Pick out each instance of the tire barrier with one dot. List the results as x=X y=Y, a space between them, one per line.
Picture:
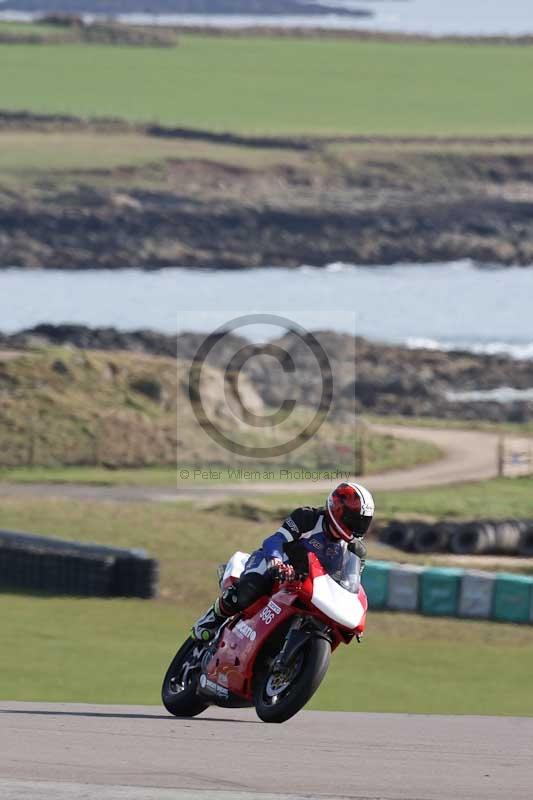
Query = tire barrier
x=434 y=538
x=403 y=535
x=54 y=566
x=474 y=538
x=478 y=537
x=526 y=540
x=449 y=592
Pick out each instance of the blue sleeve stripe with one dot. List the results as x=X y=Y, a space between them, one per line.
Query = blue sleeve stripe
x=273 y=546
x=285 y=533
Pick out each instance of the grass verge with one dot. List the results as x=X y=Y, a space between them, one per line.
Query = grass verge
x=384 y=453
x=518 y=428
x=191 y=542
x=500 y=497
x=116 y=651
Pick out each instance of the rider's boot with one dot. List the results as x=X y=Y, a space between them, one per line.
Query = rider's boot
x=224 y=607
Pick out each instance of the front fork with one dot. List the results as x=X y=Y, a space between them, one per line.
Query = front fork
x=300 y=631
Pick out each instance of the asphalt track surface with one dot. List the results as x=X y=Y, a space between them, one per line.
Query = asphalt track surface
x=468 y=456
x=60 y=751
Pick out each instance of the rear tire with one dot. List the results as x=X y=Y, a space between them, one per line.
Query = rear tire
x=179 y=696
x=311 y=667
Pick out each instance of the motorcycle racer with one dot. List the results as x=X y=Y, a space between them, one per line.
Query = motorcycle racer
x=327 y=531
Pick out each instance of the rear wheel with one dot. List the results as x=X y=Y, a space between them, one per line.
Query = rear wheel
x=279 y=695
x=179 y=685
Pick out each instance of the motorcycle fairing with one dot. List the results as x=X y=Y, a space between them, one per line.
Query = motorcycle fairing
x=228 y=675
x=234 y=568
x=232 y=665
x=336 y=603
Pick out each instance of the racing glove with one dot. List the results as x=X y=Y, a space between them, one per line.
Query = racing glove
x=280 y=571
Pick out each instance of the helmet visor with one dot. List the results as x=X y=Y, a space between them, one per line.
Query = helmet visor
x=357 y=524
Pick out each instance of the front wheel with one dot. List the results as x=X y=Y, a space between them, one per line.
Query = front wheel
x=178 y=692
x=279 y=695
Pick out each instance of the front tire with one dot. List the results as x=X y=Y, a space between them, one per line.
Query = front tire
x=178 y=692
x=296 y=687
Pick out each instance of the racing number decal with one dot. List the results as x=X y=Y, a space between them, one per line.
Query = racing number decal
x=269 y=612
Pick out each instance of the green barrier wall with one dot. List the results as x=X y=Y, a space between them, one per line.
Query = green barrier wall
x=512 y=598
x=439 y=591
x=448 y=592
x=376 y=583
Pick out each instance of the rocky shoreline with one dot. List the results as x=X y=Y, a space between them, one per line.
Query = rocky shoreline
x=94 y=231
x=369 y=377
x=231 y=201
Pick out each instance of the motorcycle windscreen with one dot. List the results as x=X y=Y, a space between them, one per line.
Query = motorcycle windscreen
x=337 y=603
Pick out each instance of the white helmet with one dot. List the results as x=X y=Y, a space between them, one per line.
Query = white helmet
x=349 y=511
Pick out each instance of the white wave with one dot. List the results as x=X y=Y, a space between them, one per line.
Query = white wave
x=338 y=266
x=381 y=269
x=502 y=394
x=519 y=351
x=421 y=343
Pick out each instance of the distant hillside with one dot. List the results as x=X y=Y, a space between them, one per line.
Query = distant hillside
x=247 y=7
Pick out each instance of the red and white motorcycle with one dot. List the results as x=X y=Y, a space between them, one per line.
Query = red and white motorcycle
x=275 y=654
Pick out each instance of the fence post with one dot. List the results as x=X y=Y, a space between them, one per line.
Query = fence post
x=96 y=443
x=32 y=444
x=501 y=456
x=362 y=450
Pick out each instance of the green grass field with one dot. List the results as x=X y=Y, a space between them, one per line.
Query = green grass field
x=32 y=153
x=201 y=539
x=27 y=28
x=501 y=497
x=117 y=650
x=282 y=86
x=512 y=428
x=99 y=156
